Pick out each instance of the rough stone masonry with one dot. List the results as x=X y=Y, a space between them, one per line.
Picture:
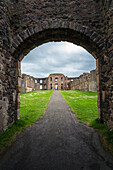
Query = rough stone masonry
x=25 y=24
x=57 y=81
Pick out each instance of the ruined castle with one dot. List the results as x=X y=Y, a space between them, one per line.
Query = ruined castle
x=56 y=81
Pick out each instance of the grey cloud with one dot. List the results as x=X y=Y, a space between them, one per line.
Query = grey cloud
x=63 y=57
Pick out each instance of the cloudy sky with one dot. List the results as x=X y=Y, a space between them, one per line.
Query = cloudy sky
x=58 y=57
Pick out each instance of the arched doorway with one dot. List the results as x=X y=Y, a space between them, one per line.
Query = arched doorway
x=26 y=25
x=35 y=36
x=63 y=34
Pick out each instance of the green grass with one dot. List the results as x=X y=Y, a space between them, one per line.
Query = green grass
x=33 y=106
x=84 y=104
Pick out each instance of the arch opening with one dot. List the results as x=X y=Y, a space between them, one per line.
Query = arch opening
x=57 y=35
x=51 y=55
x=51 y=86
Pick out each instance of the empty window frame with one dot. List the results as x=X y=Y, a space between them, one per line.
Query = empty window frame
x=61 y=78
x=50 y=78
x=35 y=81
x=61 y=86
x=56 y=86
x=51 y=86
x=40 y=81
x=40 y=87
x=56 y=78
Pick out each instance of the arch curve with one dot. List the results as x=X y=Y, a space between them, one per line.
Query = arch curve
x=56 y=31
x=44 y=32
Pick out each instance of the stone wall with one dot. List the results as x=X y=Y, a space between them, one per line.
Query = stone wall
x=30 y=83
x=81 y=83
x=43 y=83
x=8 y=73
x=107 y=65
x=25 y=25
x=27 y=83
x=85 y=82
x=92 y=81
x=56 y=82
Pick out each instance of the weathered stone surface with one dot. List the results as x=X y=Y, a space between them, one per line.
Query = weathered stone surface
x=27 y=24
x=81 y=83
x=85 y=82
x=29 y=83
x=57 y=81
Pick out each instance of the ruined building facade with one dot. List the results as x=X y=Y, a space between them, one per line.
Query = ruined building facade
x=85 y=82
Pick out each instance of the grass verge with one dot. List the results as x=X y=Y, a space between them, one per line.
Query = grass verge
x=33 y=106
x=84 y=104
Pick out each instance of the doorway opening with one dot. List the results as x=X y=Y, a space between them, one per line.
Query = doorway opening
x=56 y=86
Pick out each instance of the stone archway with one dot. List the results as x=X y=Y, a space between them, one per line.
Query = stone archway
x=25 y=25
x=36 y=36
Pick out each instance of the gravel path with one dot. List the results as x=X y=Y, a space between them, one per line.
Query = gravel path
x=57 y=142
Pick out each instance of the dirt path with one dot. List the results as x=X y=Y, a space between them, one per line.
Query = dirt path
x=57 y=142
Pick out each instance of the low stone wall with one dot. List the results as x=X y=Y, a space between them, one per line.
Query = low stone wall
x=85 y=82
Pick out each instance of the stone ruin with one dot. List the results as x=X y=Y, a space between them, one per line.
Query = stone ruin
x=85 y=82
x=26 y=24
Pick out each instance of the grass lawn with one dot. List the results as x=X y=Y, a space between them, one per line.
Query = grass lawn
x=33 y=106
x=84 y=104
